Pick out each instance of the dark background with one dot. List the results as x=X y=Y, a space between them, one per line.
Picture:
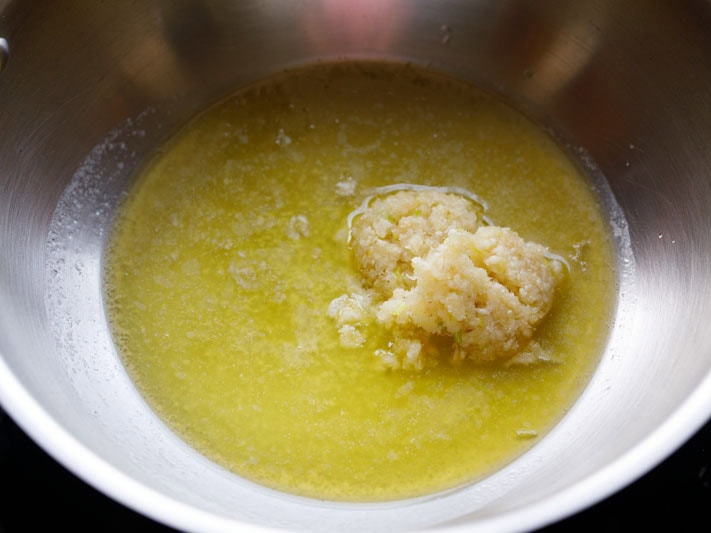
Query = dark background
x=38 y=493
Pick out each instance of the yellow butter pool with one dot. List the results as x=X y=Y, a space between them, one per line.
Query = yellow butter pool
x=227 y=252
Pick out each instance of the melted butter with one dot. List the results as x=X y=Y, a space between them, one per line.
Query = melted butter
x=227 y=253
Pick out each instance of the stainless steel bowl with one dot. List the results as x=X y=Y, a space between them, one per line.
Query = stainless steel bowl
x=89 y=89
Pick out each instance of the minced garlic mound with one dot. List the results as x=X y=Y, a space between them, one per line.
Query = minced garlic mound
x=438 y=279
x=395 y=229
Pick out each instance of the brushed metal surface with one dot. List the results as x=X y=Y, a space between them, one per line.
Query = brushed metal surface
x=90 y=89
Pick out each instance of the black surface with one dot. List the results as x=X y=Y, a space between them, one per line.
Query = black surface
x=37 y=492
